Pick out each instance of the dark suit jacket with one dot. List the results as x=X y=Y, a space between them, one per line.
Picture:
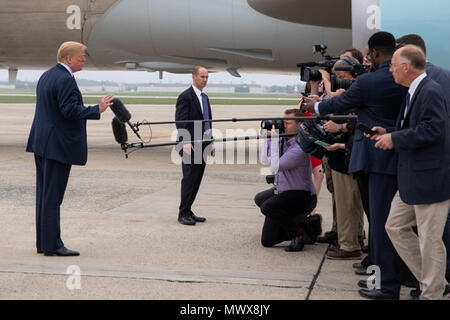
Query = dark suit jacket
x=378 y=100
x=423 y=146
x=188 y=108
x=59 y=126
x=442 y=77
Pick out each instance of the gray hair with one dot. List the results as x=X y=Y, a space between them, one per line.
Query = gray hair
x=343 y=63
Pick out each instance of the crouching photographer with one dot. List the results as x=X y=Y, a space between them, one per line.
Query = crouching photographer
x=287 y=205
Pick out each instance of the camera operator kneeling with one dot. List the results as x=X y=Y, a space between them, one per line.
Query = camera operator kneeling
x=287 y=205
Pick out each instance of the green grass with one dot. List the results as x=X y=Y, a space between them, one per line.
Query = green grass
x=168 y=101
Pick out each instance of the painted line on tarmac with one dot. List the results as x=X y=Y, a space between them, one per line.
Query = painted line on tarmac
x=272 y=279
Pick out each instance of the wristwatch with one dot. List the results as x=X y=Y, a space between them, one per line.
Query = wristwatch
x=340 y=127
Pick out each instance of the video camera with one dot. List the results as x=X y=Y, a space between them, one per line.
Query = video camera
x=306 y=71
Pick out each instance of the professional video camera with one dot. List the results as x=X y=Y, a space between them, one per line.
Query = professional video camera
x=306 y=71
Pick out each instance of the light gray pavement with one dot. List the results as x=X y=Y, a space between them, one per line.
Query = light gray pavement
x=121 y=215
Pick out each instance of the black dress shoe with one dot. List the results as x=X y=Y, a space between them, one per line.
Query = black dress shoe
x=186 y=220
x=376 y=295
x=362 y=272
x=328 y=237
x=363 y=284
x=39 y=251
x=296 y=244
x=63 y=252
x=196 y=218
x=357 y=265
x=415 y=293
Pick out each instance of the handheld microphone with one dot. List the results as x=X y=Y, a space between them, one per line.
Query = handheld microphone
x=123 y=115
x=119 y=131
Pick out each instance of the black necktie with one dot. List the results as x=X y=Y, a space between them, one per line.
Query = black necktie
x=407 y=103
x=408 y=98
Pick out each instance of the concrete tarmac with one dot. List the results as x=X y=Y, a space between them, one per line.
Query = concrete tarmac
x=121 y=214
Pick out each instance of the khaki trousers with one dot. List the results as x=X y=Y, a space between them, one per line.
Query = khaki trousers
x=425 y=254
x=349 y=210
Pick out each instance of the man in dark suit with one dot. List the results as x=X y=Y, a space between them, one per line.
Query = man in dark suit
x=422 y=140
x=193 y=104
x=58 y=141
x=378 y=100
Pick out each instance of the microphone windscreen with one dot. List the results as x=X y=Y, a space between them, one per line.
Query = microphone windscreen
x=120 y=111
x=119 y=130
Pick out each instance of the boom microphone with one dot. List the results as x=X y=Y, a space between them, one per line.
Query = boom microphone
x=123 y=115
x=119 y=131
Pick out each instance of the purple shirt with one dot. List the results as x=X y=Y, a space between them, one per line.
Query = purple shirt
x=294 y=167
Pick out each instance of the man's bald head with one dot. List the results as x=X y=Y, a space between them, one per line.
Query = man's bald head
x=414 y=56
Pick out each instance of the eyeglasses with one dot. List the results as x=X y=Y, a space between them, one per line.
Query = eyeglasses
x=395 y=65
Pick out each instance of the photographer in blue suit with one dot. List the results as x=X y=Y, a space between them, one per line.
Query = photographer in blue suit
x=422 y=140
x=58 y=141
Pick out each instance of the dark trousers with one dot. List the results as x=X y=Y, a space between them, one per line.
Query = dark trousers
x=192 y=178
x=447 y=244
x=51 y=182
x=363 y=185
x=285 y=212
x=382 y=189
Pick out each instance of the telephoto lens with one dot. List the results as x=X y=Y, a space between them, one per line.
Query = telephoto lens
x=267 y=125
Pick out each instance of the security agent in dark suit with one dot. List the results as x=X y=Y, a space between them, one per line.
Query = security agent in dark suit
x=58 y=141
x=378 y=100
x=422 y=140
x=193 y=104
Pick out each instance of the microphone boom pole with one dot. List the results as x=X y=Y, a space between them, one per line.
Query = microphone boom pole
x=327 y=117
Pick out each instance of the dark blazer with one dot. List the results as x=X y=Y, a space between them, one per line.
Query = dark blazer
x=423 y=146
x=378 y=100
x=188 y=108
x=59 y=126
x=442 y=77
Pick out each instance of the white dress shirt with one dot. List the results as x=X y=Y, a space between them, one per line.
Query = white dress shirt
x=199 y=96
x=67 y=67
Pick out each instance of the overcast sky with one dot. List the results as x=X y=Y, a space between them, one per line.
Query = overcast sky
x=145 y=77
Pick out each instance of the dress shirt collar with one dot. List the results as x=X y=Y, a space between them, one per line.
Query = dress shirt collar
x=413 y=87
x=197 y=91
x=67 y=67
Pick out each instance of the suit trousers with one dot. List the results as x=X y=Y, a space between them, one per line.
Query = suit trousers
x=382 y=188
x=349 y=211
x=285 y=213
x=51 y=182
x=330 y=188
x=425 y=253
x=193 y=170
